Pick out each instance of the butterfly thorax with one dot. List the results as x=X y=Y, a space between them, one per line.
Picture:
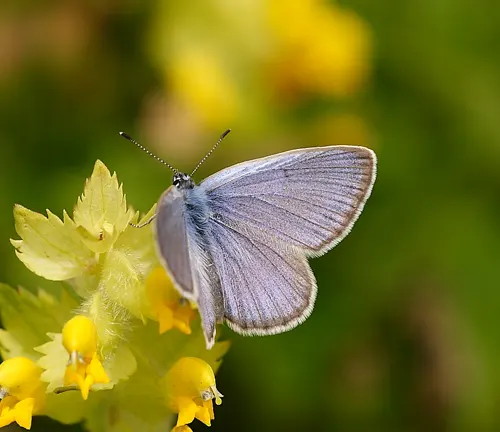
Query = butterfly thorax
x=182 y=181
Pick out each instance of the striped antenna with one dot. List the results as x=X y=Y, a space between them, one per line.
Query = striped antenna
x=211 y=151
x=126 y=136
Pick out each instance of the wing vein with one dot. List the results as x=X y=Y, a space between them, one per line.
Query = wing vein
x=264 y=255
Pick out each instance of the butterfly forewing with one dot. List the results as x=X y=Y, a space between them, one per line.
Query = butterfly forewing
x=172 y=240
x=309 y=198
x=185 y=255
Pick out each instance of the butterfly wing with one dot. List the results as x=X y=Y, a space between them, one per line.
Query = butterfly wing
x=308 y=198
x=172 y=241
x=267 y=287
x=269 y=214
x=185 y=257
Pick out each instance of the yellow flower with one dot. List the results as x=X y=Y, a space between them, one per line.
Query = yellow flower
x=84 y=367
x=183 y=428
x=167 y=306
x=190 y=388
x=200 y=80
x=326 y=51
x=21 y=391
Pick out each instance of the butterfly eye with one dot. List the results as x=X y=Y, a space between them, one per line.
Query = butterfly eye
x=176 y=180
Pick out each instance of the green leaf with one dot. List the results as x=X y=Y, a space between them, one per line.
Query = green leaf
x=49 y=247
x=121 y=365
x=126 y=421
x=101 y=212
x=11 y=347
x=140 y=398
x=162 y=351
x=27 y=318
x=111 y=414
x=54 y=361
x=67 y=407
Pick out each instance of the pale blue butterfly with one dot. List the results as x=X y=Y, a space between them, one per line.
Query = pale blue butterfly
x=237 y=244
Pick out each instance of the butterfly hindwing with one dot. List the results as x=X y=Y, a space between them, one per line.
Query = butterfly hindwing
x=267 y=288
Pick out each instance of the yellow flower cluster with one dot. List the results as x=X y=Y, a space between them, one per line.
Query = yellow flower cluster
x=108 y=349
x=21 y=391
x=321 y=48
x=167 y=306
x=292 y=50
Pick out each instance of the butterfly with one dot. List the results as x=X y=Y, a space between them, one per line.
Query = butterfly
x=238 y=243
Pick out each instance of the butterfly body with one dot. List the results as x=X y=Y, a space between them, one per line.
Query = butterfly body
x=237 y=244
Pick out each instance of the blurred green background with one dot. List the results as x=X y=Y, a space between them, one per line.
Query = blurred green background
x=405 y=332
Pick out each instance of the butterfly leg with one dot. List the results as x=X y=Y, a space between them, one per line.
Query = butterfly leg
x=151 y=219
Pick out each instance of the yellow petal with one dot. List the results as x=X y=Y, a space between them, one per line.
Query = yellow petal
x=189 y=377
x=96 y=370
x=7 y=405
x=183 y=315
x=23 y=412
x=85 y=386
x=80 y=336
x=187 y=410
x=6 y=417
x=74 y=373
x=166 y=304
x=182 y=326
x=20 y=376
x=203 y=415
x=165 y=318
x=183 y=428
x=210 y=407
x=159 y=287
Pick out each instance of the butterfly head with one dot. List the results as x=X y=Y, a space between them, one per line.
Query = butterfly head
x=182 y=181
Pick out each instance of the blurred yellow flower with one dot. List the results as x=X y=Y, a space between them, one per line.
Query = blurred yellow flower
x=84 y=368
x=321 y=48
x=190 y=388
x=199 y=80
x=21 y=391
x=168 y=307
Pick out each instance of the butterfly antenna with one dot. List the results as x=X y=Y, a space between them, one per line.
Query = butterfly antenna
x=211 y=151
x=126 y=136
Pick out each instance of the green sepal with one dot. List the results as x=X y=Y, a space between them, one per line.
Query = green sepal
x=101 y=213
x=27 y=318
x=50 y=247
x=126 y=267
